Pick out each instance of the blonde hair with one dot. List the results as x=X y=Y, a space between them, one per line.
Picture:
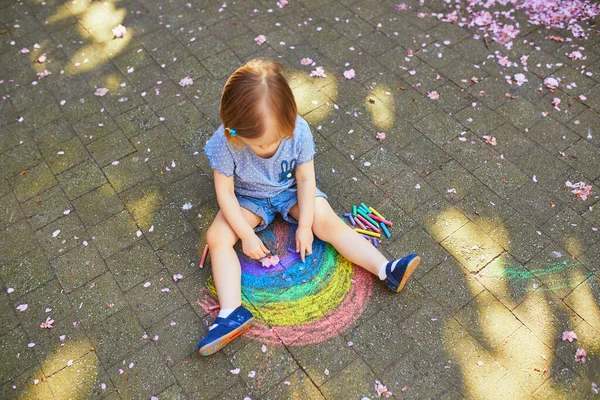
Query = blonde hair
x=254 y=87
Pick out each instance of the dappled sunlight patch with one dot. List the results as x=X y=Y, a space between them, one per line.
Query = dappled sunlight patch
x=383 y=113
x=472 y=247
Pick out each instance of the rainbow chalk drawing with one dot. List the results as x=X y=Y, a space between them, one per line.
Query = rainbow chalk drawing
x=294 y=302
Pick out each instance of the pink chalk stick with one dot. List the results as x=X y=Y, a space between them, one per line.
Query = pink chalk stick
x=204 y=256
x=378 y=219
x=362 y=226
x=370 y=225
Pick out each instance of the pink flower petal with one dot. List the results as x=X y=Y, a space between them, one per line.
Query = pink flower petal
x=349 y=74
x=569 y=335
x=306 y=61
x=119 y=31
x=260 y=39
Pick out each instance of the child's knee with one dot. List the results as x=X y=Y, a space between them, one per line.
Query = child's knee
x=219 y=234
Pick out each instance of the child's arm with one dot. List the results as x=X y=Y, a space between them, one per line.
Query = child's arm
x=252 y=245
x=307 y=191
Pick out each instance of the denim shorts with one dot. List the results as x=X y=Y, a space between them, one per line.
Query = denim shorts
x=267 y=209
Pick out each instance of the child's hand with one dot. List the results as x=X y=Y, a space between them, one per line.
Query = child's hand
x=254 y=248
x=304 y=239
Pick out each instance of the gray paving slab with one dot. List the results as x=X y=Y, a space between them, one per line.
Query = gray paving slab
x=105 y=201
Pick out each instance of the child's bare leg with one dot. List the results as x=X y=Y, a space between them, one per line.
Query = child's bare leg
x=328 y=227
x=226 y=268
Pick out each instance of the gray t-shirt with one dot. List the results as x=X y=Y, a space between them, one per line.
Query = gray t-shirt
x=259 y=177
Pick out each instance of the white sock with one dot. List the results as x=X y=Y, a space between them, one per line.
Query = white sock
x=224 y=313
x=382 y=274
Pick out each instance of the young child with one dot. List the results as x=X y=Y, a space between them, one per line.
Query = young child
x=262 y=160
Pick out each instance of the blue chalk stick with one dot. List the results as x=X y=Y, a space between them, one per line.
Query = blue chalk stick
x=385 y=229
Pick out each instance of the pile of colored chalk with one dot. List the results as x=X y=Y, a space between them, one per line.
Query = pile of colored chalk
x=369 y=223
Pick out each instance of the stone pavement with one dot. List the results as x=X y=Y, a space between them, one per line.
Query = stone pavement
x=105 y=198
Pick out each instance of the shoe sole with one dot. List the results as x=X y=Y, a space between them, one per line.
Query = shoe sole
x=213 y=347
x=410 y=268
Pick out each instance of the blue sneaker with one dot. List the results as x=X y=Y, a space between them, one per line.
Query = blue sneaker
x=227 y=329
x=403 y=269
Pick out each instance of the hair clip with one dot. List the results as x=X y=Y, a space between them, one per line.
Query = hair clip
x=232 y=131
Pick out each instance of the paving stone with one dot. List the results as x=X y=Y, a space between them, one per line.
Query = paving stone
x=97 y=300
x=154 y=142
x=78 y=266
x=323 y=360
x=110 y=148
x=151 y=303
x=94 y=127
x=451 y=285
x=179 y=332
x=32 y=182
x=137 y=121
x=134 y=264
x=114 y=234
x=355 y=381
x=580 y=299
x=413 y=155
x=480 y=120
x=116 y=336
x=484 y=208
x=98 y=205
x=471 y=247
x=501 y=176
x=81 y=179
x=16 y=240
x=520 y=113
x=584 y=157
x=571 y=231
x=523 y=348
x=134 y=382
x=534 y=203
x=408 y=191
x=469 y=150
x=439 y=127
x=297 y=383
x=23 y=385
x=168 y=223
x=48 y=296
x=11 y=212
x=62 y=235
x=172 y=165
x=130 y=170
x=200 y=373
x=85 y=377
x=552 y=135
x=12 y=343
x=405 y=379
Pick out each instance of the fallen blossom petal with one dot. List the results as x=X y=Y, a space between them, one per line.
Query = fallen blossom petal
x=69 y=363
x=22 y=307
x=282 y=3
x=306 y=61
x=186 y=206
x=318 y=72
x=101 y=92
x=269 y=261
x=119 y=31
x=433 y=95
x=520 y=79
x=263 y=348
x=252 y=374
x=580 y=355
x=551 y=83
x=55 y=233
x=187 y=81
x=260 y=39
x=235 y=371
x=349 y=74
x=490 y=140
x=147 y=284
x=556 y=103
x=24 y=50
x=177 y=277
x=380 y=136
x=47 y=324
x=165 y=290
x=568 y=335
x=382 y=390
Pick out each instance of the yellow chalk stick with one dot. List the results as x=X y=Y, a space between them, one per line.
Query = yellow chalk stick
x=364 y=232
x=374 y=211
